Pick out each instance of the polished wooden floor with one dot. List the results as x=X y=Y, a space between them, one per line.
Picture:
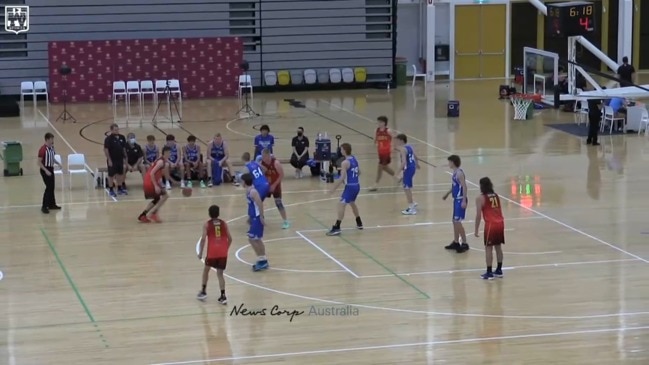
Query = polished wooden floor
x=89 y=285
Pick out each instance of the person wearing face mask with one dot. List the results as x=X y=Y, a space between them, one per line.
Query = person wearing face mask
x=134 y=156
x=300 y=154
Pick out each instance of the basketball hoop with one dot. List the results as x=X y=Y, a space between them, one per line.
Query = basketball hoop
x=522 y=104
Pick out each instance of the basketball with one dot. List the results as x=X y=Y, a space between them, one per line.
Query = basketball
x=187 y=192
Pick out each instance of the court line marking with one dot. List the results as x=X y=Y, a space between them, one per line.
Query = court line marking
x=411 y=225
x=327 y=254
x=237 y=254
x=241 y=192
x=409 y=311
x=412 y=344
x=566 y=225
x=1 y=275
x=504 y=268
x=90 y=170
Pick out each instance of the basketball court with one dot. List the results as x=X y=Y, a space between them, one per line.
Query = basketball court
x=89 y=284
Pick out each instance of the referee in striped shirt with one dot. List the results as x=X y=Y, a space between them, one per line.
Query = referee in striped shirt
x=46 y=167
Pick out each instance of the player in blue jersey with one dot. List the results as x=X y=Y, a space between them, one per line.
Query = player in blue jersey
x=256 y=218
x=264 y=140
x=460 y=199
x=175 y=162
x=218 y=153
x=409 y=165
x=192 y=162
x=259 y=178
x=151 y=152
x=349 y=173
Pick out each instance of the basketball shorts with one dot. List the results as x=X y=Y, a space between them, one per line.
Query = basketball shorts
x=458 y=212
x=149 y=193
x=350 y=193
x=256 y=231
x=263 y=190
x=384 y=158
x=218 y=263
x=192 y=164
x=494 y=234
x=277 y=193
x=117 y=168
x=408 y=178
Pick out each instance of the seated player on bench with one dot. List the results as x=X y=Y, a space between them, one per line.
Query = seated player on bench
x=192 y=161
x=134 y=157
x=151 y=152
x=176 y=168
x=218 y=156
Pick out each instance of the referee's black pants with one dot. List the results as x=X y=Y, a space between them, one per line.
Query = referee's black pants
x=593 y=128
x=49 y=200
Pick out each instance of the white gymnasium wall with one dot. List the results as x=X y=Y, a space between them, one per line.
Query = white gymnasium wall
x=443 y=33
x=410 y=38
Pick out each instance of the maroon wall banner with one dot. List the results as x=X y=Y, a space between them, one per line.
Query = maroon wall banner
x=206 y=67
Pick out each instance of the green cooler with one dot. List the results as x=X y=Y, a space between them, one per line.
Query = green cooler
x=402 y=70
x=12 y=156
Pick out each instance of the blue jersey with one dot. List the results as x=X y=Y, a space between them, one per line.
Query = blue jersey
x=259 y=180
x=217 y=152
x=410 y=163
x=352 y=172
x=151 y=153
x=262 y=142
x=456 y=187
x=253 y=209
x=192 y=154
x=173 y=157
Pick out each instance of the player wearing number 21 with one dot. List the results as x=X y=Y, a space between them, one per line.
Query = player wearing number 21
x=349 y=173
x=488 y=208
x=409 y=165
x=217 y=236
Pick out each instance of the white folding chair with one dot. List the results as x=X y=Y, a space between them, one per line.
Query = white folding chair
x=415 y=75
x=582 y=111
x=644 y=123
x=26 y=88
x=270 y=78
x=77 y=166
x=348 y=75
x=245 y=85
x=119 y=89
x=335 y=76
x=174 y=88
x=609 y=116
x=40 y=88
x=160 y=87
x=133 y=89
x=310 y=77
x=58 y=170
x=146 y=88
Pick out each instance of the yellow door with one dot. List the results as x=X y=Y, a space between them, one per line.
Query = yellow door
x=467 y=41
x=492 y=42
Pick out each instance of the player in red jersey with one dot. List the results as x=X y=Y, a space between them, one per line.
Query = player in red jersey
x=488 y=207
x=217 y=236
x=383 y=141
x=275 y=174
x=154 y=188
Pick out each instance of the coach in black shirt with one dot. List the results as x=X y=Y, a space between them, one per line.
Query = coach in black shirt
x=626 y=72
x=115 y=151
x=300 y=156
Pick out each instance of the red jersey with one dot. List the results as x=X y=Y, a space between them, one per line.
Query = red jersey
x=491 y=211
x=148 y=182
x=217 y=239
x=271 y=171
x=383 y=140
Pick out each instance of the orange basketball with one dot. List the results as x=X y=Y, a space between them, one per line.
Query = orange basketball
x=187 y=192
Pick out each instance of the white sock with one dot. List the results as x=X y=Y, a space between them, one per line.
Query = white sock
x=261 y=258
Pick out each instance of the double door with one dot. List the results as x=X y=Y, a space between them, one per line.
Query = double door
x=480 y=40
